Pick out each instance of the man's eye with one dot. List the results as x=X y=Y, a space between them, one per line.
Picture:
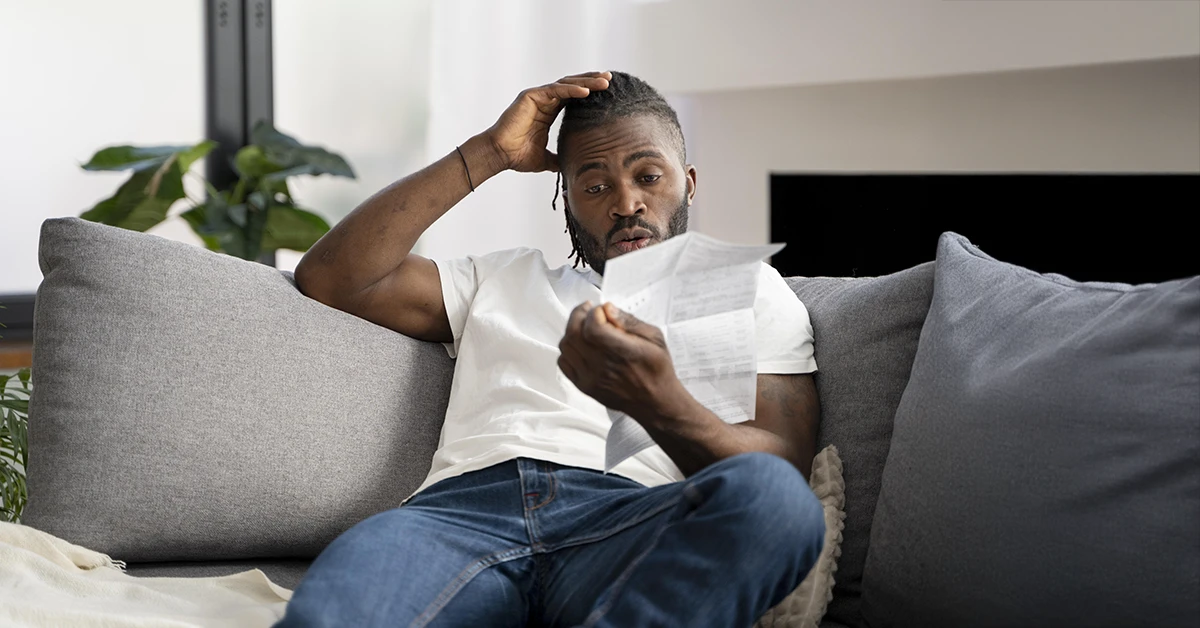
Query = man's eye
x=595 y=189
x=651 y=178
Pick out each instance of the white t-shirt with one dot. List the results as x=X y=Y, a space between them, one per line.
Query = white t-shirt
x=508 y=311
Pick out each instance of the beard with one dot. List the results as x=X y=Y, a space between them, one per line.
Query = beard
x=594 y=249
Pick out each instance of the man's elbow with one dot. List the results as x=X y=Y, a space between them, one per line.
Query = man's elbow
x=312 y=279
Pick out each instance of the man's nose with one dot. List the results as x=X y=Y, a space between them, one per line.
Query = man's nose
x=627 y=202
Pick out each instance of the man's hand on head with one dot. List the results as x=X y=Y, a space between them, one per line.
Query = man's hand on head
x=620 y=361
x=521 y=135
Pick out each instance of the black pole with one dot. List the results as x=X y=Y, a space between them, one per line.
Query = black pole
x=239 y=82
x=224 y=88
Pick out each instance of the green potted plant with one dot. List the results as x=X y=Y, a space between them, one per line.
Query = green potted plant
x=257 y=215
x=14 y=444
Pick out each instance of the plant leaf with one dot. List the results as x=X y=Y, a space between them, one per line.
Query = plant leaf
x=256 y=222
x=136 y=158
x=290 y=227
x=143 y=200
x=23 y=375
x=197 y=219
x=257 y=200
x=20 y=405
x=195 y=153
x=252 y=162
x=236 y=214
x=297 y=158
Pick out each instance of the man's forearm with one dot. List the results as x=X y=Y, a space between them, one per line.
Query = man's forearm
x=377 y=236
x=693 y=437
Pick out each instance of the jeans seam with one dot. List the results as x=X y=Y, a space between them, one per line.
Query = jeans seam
x=600 y=536
x=462 y=579
x=550 y=495
x=618 y=586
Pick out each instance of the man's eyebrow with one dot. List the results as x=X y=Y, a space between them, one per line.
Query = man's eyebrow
x=591 y=165
x=642 y=154
x=648 y=153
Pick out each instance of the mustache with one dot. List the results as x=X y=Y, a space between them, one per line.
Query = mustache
x=629 y=222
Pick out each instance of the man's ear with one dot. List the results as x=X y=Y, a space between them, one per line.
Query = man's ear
x=691 y=183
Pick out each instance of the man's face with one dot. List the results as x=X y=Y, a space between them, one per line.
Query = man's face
x=625 y=187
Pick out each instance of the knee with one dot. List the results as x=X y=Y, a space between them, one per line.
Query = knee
x=775 y=499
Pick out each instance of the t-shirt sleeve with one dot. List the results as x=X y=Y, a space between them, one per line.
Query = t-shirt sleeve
x=460 y=279
x=783 y=331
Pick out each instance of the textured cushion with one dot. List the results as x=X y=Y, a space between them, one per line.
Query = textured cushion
x=190 y=405
x=804 y=607
x=866 y=333
x=1045 y=463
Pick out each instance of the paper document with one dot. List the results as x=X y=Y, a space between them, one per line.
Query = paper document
x=700 y=292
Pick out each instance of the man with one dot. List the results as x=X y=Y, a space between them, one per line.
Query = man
x=516 y=524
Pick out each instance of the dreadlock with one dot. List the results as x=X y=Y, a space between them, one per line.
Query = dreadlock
x=626 y=96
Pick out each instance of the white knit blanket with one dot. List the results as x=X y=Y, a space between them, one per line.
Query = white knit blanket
x=46 y=581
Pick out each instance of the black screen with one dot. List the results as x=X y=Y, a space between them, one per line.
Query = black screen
x=1109 y=227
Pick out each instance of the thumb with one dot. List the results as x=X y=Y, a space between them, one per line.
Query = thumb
x=623 y=320
x=551 y=161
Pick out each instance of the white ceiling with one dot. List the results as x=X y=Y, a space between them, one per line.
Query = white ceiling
x=703 y=45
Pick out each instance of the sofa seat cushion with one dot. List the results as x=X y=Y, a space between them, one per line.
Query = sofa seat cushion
x=283 y=572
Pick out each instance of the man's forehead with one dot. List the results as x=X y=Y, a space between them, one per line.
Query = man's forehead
x=619 y=140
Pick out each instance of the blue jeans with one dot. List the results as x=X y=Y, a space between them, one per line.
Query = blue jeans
x=528 y=542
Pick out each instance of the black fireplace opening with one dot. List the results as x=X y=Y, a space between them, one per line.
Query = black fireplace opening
x=1130 y=228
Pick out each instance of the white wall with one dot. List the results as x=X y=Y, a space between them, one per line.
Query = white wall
x=702 y=45
x=484 y=53
x=1137 y=117
x=356 y=81
x=75 y=76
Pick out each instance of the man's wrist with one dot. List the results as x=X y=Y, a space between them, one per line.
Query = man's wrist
x=482 y=159
x=671 y=407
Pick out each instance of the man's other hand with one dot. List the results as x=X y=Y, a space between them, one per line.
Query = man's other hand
x=620 y=361
x=522 y=133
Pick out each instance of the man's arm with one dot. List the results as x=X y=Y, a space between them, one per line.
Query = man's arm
x=364 y=265
x=786 y=417
x=624 y=364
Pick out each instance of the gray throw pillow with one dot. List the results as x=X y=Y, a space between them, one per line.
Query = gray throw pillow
x=1045 y=463
x=866 y=332
x=189 y=405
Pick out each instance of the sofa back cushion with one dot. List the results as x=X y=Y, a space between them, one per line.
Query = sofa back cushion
x=1045 y=462
x=866 y=333
x=189 y=405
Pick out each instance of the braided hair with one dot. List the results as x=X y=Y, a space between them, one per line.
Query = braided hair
x=626 y=96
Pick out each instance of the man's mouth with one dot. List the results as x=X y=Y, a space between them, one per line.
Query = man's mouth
x=627 y=240
x=631 y=244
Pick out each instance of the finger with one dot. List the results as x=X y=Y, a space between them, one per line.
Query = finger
x=559 y=91
x=575 y=319
x=567 y=368
x=551 y=161
x=596 y=328
x=574 y=358
x=573 y=364
x=605 y=74
x=590 y=82
x=631 y=324
x=615 y=315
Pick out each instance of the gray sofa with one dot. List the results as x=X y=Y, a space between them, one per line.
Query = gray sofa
x=1018 y=449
